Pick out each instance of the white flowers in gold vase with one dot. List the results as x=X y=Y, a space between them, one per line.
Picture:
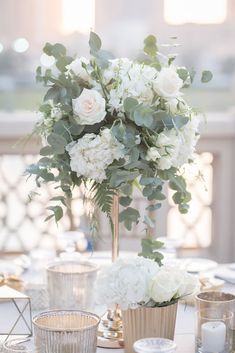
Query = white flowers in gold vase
x=137 y=282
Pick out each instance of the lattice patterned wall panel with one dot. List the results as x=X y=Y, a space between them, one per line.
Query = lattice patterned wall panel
x=195 y=228
x=22 y=225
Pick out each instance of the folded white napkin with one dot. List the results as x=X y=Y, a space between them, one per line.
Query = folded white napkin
x=226 y=274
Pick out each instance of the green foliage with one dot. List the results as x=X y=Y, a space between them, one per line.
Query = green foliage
x=150 y=249
x=57 y=213
x=94 y=42
x=57 y=142
x=206 y=76
x=103 y=197
x=150 y=45
x=129 y=216
x=165 y=120
x=183 y=73
x=136 y=126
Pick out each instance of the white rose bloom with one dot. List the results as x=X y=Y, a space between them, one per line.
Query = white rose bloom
x=188 y=284
x=92 y=154
x=171 y=283
x=78 y=69
x=152 y=154
x=164 y=286
x=168 y=83
x=125 y=282
x=89 y=107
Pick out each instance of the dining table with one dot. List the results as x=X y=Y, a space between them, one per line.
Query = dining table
x=186 y=313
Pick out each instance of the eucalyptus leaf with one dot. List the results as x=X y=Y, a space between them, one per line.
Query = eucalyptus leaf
x=206 y=76
x=183 y=73
x=130 y=104
x=57 y=142
x=122 y=176
x=94 y=42
x=149 y=222
x=150 y=45
x=125 y=201
x=46 y=151
x=154 y=207
x=128 y=216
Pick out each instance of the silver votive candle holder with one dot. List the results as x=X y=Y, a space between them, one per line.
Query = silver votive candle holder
x=219 y=302
x=71 y=284
x=66 y=331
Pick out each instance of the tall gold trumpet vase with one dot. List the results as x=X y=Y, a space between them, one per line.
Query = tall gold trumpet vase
x=148 y=322
x=110 y=333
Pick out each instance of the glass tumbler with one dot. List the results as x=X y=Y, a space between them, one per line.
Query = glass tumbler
x=213 y=331
x=71 y=284
x=67 y=331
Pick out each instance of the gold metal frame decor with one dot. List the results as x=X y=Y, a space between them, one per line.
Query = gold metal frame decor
x=110 y=332
x=18 y=318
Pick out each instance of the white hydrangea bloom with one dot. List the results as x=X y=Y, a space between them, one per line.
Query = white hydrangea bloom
x=131 y=80
x=92 y=154
x=175 y=147
x=126 y=282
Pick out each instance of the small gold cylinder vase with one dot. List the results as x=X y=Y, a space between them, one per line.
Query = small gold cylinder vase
x=148 y=322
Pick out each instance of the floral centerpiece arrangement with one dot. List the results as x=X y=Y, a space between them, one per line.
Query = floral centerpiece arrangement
x=138 y=282
x=115 y=124
x=147 y=294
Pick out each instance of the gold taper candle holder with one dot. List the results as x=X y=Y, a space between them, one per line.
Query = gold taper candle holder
x=110 y=332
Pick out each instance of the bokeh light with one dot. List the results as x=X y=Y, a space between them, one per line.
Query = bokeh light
x=20 y=45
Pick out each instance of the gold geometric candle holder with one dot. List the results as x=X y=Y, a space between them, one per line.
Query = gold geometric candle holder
x=15 y=308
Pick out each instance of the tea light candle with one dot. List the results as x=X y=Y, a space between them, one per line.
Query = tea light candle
x=213 y=336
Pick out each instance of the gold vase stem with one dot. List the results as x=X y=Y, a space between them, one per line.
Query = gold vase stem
x=115 y=219
x=110 y=333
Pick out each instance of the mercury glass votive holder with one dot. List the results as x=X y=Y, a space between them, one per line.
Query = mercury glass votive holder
x=71 y=284
x=154 y=345
x=218 y=301
x=66 y=331
x=213 y=331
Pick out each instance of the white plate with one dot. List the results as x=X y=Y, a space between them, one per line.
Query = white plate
x=9 y=268
x=195 y=265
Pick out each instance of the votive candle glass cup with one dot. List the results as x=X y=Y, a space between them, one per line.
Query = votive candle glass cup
x=71 y=284
x=218 y=301
x=213 y=331
x=66 y=331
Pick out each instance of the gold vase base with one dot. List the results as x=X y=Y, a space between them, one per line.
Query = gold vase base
x=110 y=333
